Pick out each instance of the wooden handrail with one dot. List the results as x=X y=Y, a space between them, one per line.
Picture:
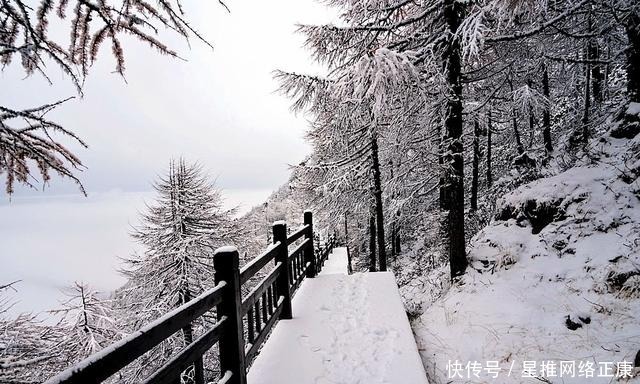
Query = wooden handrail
x=266 y=303
x=101 y=365
x=297 y=234
x=255 y=347
x=258 y=290
x=178 y=363
x=300 y=248
x=255 y=265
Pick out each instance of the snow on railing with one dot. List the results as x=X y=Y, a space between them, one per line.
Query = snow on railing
x=243 y=324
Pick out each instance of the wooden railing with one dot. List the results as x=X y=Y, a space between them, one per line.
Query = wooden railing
x=268 y=301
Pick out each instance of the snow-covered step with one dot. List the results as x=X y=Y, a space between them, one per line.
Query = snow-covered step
x=345 y=329
x=336 y=263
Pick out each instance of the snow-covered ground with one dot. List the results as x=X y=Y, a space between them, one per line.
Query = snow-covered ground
x=345 y=330
x=554 y=278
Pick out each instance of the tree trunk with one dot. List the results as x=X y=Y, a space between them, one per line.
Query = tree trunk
x=372 y=241
x=394 y=253
x=441 y=181
x=489 y=133
x=593 y=54
x=476 y=162
x=597 y=75
x=587 y=87
x=346 y=244
x=607 y=73
x=546 y=112
x=377 y=192
x=393 y=241
x=532 y=118
x=454 y=161
x=514 y=121
x=187 y=333
x=587 y=103
x=633 y=57
x=396 y=236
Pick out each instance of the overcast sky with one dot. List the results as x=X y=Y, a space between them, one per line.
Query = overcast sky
x=219 y=107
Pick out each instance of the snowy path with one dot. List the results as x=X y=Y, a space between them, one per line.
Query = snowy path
x=346 y=330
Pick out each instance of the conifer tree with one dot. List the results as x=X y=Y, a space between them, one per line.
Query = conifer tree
x=87 y=324
x=30 y=349
x=178 y=233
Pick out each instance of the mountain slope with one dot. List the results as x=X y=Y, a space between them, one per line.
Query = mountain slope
x=555 y=276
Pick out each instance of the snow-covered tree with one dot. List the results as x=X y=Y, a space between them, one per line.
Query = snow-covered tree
x=33 y=350
x=87 y=324
x=28 y=346
x=492 y=67
x=27 y=137
x=178 y=233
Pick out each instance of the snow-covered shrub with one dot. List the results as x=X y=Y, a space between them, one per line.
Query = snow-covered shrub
x=631 y=288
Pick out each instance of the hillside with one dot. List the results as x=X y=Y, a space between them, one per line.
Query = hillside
x=554 y=277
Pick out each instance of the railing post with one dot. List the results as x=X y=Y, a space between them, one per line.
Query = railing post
x=282 y=256
x=316 y=252
x=308 y=252
x=226 y=262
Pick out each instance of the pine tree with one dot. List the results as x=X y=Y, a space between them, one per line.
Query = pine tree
x=87 y=324
x=30 y=349
x=179 y=233
x=459 y=60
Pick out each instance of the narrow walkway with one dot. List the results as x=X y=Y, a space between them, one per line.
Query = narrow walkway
x=345 y=330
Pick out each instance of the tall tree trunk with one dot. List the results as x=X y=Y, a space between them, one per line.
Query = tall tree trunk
x=587 y=87
x=593 y=55
x=476 y=162
x=394 y=253
x=372 y=241
x=514 y=121
x=396 y=236
x=587 y=103
x=597 y=75
x=392 y=240
x=454 y=161
x=607 y=73
x=489 y=133
x=187 y=333
x=633 y=57
x=346 y=244
x=441 y=181
x=532 y=118
x=546 y=112
x=377 y=192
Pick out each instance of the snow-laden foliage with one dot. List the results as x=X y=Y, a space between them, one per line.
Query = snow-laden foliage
x=32 y=350
x=377 y=77
x=88 y=323
x=27 y=138
x=178 y=232
x=26 y=345
x=554 y=277
x=464 y=101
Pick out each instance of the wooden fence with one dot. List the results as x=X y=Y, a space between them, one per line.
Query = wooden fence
x=268 y=301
